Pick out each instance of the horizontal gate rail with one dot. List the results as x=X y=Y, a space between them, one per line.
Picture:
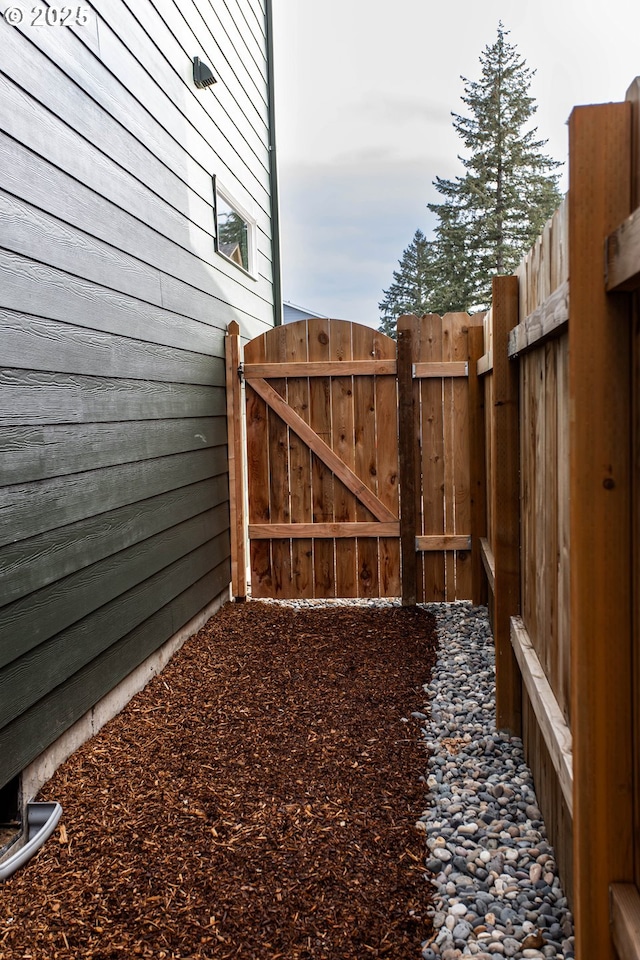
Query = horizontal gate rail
x=322 y=531
x=319 y=368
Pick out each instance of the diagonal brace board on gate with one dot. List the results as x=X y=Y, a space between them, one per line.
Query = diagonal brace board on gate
x=323 y=451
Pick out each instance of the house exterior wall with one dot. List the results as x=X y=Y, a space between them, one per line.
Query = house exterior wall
x=114 y=528
x=291 y=313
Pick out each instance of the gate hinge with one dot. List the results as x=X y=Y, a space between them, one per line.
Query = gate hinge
x=241 y=372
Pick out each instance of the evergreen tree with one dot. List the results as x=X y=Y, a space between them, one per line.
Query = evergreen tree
x=412 y=284
x=490 y=216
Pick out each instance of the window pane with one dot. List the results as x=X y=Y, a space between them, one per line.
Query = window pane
x=233 y=233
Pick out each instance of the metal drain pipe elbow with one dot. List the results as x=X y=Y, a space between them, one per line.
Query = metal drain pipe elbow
x=42 y=819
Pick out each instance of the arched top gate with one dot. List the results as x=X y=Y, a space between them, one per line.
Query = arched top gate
x=323 y=442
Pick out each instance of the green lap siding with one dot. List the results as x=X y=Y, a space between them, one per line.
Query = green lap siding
x=114 y=494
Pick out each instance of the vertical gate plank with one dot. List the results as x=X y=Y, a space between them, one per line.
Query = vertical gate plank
x=432 y=458
x=300 y=466
x=366 y=466
x=258 y=477
x=387 y=467
x=279 y=509
x=321 y=478
x=342 y=430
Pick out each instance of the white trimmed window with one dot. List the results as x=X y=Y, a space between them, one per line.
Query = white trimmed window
x=235 y=230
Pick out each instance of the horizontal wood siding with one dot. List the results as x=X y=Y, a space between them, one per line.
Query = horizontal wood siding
x=113 y=309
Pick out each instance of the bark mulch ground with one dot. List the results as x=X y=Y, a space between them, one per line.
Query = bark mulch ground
x=257 y=800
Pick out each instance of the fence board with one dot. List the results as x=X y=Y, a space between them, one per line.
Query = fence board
x=487 y=382
x=365 y=465
x=505 y=504
x=449 y=335
x=461 y=498
x=258 y=478
x=321 y=477
x=387 y=468
x=279 y=487
x=430 y=437
x=342 y=428
x=299 y=464
x=477 y=466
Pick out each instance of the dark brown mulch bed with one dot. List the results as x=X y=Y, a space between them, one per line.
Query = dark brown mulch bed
x=257 y=800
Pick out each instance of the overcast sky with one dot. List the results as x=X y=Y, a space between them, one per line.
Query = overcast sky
x=364 y=94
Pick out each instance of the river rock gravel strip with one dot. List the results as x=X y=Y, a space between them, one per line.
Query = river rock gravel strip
x=497 y=888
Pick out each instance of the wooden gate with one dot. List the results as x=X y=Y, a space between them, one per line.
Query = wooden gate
x=324 y=450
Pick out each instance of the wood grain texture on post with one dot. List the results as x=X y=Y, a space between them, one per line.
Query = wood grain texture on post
x=407 y=462
x=236 y=463
x=600 y=523
x=505 y=506
x=478 y=469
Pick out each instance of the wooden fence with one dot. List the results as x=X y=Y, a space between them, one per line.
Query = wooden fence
x=559 y=532
x=344 y=426
x=535 y=452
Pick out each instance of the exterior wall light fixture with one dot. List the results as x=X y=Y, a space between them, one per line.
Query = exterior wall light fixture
x=202 y=74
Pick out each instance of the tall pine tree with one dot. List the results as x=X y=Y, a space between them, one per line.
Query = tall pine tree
x=412 y=285
x=490 y=216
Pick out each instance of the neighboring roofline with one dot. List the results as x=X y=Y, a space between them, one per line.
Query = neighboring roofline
x=273 y=175
x=297 y=306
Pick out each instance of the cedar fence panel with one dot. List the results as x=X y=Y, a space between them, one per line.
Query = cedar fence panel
x=574 y=619
x=441 y=450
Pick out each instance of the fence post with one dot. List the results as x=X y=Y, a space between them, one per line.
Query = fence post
x=478 y=466
x=407 y=462
x=505 y=504
x=235 y=454
x=600 y=524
